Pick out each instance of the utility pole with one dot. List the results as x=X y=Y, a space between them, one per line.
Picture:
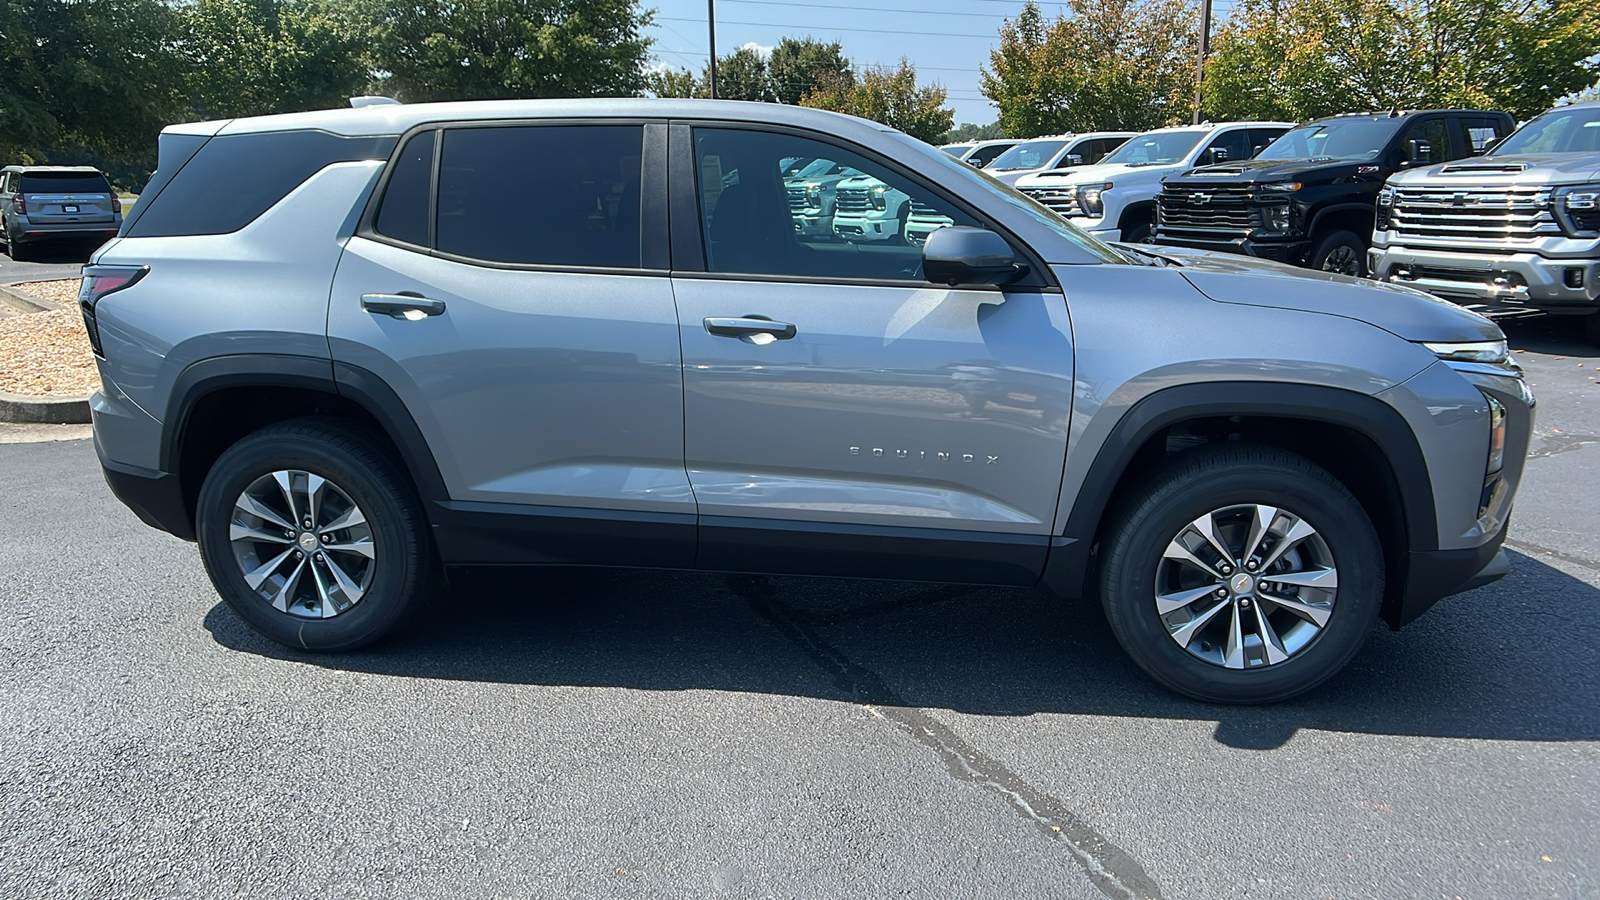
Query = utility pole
x=1205 y=50
x=711 y=23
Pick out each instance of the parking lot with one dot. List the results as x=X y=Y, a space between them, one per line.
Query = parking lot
x=611 y=733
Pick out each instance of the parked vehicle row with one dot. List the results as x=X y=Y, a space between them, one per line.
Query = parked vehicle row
x=981 y=153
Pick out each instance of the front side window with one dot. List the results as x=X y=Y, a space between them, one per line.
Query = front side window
x=1236 y=144
x=1435 y=133
x=1481 y=132
x=1356 y=137
x=1558 y=131
x=566 y=195
x=1027 y=155
x=1156 y=148
x=839 y=216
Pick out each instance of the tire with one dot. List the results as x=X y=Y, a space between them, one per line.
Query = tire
x=1343 y=252
x=1591 y=327
x=1229 y=483
x=372 y=574
x=1138 y=233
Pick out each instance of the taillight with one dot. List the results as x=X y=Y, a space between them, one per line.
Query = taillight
x=22 y=205
x=116 y=204
x=98 y=281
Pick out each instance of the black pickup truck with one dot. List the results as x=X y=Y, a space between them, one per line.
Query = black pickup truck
x=1310 y=197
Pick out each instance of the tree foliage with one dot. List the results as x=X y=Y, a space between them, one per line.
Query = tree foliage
x=1110 y=65
x=967 y=133
x=890 y=96
x=1298 y=59
x=249 y=57
x=800 y=66
x=503 y=49
x=796 y=67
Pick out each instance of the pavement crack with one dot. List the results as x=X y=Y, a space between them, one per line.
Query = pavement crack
x=1554 y=554
x=1108 y=867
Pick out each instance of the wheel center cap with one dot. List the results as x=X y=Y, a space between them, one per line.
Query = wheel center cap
x=1242 y=583
x=307 y=541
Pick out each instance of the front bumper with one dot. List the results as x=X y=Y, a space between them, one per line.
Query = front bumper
x=862 y=228
x=1522 y=279
x=813 y=226
x=1292 y=251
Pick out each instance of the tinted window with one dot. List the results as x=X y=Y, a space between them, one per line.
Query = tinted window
x=1481 y=131
x=552 y=195
x=859 y=220
x=65 y=183
x=1356 y=137
x=986 y=155
x=1433 y=132
x=1261 y=138
x=1235 y=143
x=403 y=214
x=235 y=178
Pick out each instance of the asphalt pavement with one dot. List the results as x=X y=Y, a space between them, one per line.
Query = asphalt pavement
x=602 y=733
x=63 y=260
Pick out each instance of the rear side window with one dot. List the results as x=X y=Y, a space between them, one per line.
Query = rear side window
x=235 y=178
x=542 y=194
x=65 y=183
x=403 y=214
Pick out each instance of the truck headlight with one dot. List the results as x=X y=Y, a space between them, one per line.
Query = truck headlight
x=878 y=199
x=1276 y=217
x=1385 y=205
x=1089 y=199
x=1287 y=187
x=1386 y=196
x=1577 y=208
x=814 y=196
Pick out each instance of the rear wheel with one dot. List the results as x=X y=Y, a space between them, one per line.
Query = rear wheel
x=1137 y=232
x=313 y=535
x=1343 y=252
x=1242 y=574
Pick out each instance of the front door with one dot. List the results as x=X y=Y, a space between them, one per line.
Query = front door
x=842 y=415
x=525 y=319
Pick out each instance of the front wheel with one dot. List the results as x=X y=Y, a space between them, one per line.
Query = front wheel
x=1241 y=574
x=313 y=535
x=1343 y=252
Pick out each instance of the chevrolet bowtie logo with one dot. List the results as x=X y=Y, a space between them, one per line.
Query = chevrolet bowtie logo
x=1200 y=198
x=1462 y=198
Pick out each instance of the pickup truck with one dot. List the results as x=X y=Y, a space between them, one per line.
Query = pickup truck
x=1516 y=229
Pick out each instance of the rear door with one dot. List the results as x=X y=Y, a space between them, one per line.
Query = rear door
x=59 y=198
x=510 y=285
x=843 y=415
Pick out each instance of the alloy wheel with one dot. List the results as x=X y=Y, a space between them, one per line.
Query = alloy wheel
x=302 y=544
x=1246 y=586
x=1344 y=260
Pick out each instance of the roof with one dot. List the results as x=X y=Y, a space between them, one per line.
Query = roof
x=400 y=117
x=1407 y=113
x=43 y=169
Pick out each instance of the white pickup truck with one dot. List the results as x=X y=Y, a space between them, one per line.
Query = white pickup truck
x=1515 y=229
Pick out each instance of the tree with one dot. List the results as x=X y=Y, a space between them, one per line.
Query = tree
x=1300 y=59
x=501 y=49
x=89 y=77
x=742 y=75
x=800 y=66
x=254 y=57
x=967 y=133
x=674 y=83
x=890 y=96
x=1112 y=65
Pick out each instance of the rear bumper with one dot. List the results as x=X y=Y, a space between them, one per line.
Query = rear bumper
x=155 y=497
x=26 y=232
x=1496 y=278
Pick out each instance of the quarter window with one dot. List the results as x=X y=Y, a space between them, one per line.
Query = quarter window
x=403 y=215
x=543 y=194
x=777 y=204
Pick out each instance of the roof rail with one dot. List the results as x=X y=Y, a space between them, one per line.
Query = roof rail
x=371 y=100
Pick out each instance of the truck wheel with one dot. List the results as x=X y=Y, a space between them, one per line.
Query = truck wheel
x=1343 y=252
x=314 y=536
x=1241 y=574
x=1591 y=327
x=1138 y=232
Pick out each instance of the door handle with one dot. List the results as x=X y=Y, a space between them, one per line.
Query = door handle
x=411 y=307
x=748 y=326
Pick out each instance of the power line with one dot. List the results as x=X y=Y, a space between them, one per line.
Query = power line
x=859 y=8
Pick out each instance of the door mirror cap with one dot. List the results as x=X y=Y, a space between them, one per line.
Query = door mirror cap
x=961 y=255
x=1071 y=159
x=1418 y=152
x=1214 y=155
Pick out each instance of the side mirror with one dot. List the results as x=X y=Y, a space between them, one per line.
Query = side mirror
x=1071 y=159
x=1256 y=150
x=1214 y=155
x=962 y=255
x=1418 y=152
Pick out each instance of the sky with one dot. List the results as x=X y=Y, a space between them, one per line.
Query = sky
x=947 y=40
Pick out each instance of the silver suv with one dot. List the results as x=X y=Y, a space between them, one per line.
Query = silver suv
x=55 y=203
x=338 y=352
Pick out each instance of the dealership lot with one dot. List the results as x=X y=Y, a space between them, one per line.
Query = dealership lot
x=605 y=732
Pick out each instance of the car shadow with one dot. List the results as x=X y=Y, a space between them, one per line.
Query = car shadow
x=1558 y=335
x=1513 y=661
x=68 y=252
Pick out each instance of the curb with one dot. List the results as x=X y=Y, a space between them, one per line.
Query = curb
x=24 y=302
x=19 y=409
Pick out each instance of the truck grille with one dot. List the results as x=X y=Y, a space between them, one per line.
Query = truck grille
x=1494 y=214
x=797 y=199
x=1210 y=214
x=853 y=200
x=924 y=211
x=1062 y=200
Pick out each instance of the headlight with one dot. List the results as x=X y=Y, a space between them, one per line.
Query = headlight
x=1276 y=217
x=1488 y=352
x=1497 y=435
x=1089 y=199
x=878 y=201
x=1577 y=208
x=1386 y=196
x=814 y=195
x=1285 y=186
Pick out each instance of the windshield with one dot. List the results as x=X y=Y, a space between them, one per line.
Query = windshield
x=956 y=149
x=1557 y=131
x=1034 y=209
x=1155 y=148
x=1026 y=155
x=1353 y=138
